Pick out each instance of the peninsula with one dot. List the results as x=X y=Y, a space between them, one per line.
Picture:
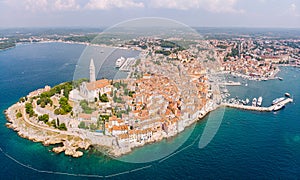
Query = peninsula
x=168 y=88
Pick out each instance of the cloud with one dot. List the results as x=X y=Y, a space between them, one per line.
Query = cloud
x=216 y=6
x=51 y=5
x=66 y=5
x=109 y=4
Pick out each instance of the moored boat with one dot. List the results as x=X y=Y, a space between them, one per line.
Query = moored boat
x=254 y=101
x=277 y=100
x=259 y=101
x=120 y=62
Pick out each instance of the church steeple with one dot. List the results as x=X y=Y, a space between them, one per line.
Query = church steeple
x=92 y=71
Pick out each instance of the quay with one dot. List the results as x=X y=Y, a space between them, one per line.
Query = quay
x=256 y=108
x=127 y=64
x=230 y=83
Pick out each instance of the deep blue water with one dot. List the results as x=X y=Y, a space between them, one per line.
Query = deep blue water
x=248 y=145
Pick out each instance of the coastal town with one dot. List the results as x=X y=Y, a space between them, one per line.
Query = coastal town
x=168 y=88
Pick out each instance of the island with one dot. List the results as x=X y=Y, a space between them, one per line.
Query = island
x=168 y=88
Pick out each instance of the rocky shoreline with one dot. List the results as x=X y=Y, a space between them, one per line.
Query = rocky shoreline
x=71 y=144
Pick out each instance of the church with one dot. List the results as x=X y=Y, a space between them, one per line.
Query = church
x=90 y=90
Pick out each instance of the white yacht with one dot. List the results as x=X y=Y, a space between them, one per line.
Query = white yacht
x=120 y=62
x=277 y=100
x=254 y=101
x=259 y=101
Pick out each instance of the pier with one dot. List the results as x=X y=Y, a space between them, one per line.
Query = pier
x=127 y=64
x=230 y=83
x=256 y=108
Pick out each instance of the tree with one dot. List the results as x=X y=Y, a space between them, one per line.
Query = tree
x=62 y=126
x=57 y=122
x=82 y=125
x=57 y=111
x=53 y=123
x=131 y=93
x=85 y=107
x=19 y=114
x=93 y=127
x=65 y=107
x=43 y=104
x=44 y=118
x=29 y=109
x=22 y=99
x=103 y=98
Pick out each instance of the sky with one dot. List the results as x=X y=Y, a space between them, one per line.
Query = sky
x=105 y=13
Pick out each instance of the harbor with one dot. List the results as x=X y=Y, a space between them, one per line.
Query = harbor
x=125 y=64
x=273 y=107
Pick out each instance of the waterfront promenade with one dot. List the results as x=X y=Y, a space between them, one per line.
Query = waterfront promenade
x=256 y=108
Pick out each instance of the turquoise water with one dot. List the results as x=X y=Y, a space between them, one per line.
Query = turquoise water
x=247 y=145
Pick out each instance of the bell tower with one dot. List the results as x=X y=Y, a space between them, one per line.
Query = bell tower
x=92 y=71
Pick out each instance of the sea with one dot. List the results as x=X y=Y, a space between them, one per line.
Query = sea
x=246 y=145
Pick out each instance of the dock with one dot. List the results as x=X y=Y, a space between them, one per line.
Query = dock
x=230 y=83
x=127 y=64
x=256 y=108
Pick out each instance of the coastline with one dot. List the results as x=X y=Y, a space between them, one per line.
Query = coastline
x=72 y=142
x=26 y=130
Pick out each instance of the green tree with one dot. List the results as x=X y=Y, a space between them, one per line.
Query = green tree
x=19 y=114
x=63 y=127
x=29 y=109
x=82 y=125
x=43 y=104
x=103 y=98
x=22 y=99
x=93 y=127
x=57 y=122
x=44 y=118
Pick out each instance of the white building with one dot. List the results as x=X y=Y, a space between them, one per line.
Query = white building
x=90 y=90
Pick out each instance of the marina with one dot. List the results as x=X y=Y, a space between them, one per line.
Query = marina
x=127 y=64
x=231 y=83
x=273 y=107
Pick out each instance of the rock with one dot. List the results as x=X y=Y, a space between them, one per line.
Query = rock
x=69 y=152
x=59 y=149
x=9 y=125
x=77 y=154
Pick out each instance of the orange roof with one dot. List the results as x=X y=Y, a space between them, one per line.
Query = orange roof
x=116 y=128
x=97 y=84
x=130 y=132
x=123 y=136
x=120 y=128
x=84 y=116
x=113 y=118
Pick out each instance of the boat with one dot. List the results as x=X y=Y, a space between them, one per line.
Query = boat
x=247 y=101
x=277 y=100
x=280 y=78
x=254 y=101
x=287 y=95
x=278 y=107
x=120 y=62
x=259 y=101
